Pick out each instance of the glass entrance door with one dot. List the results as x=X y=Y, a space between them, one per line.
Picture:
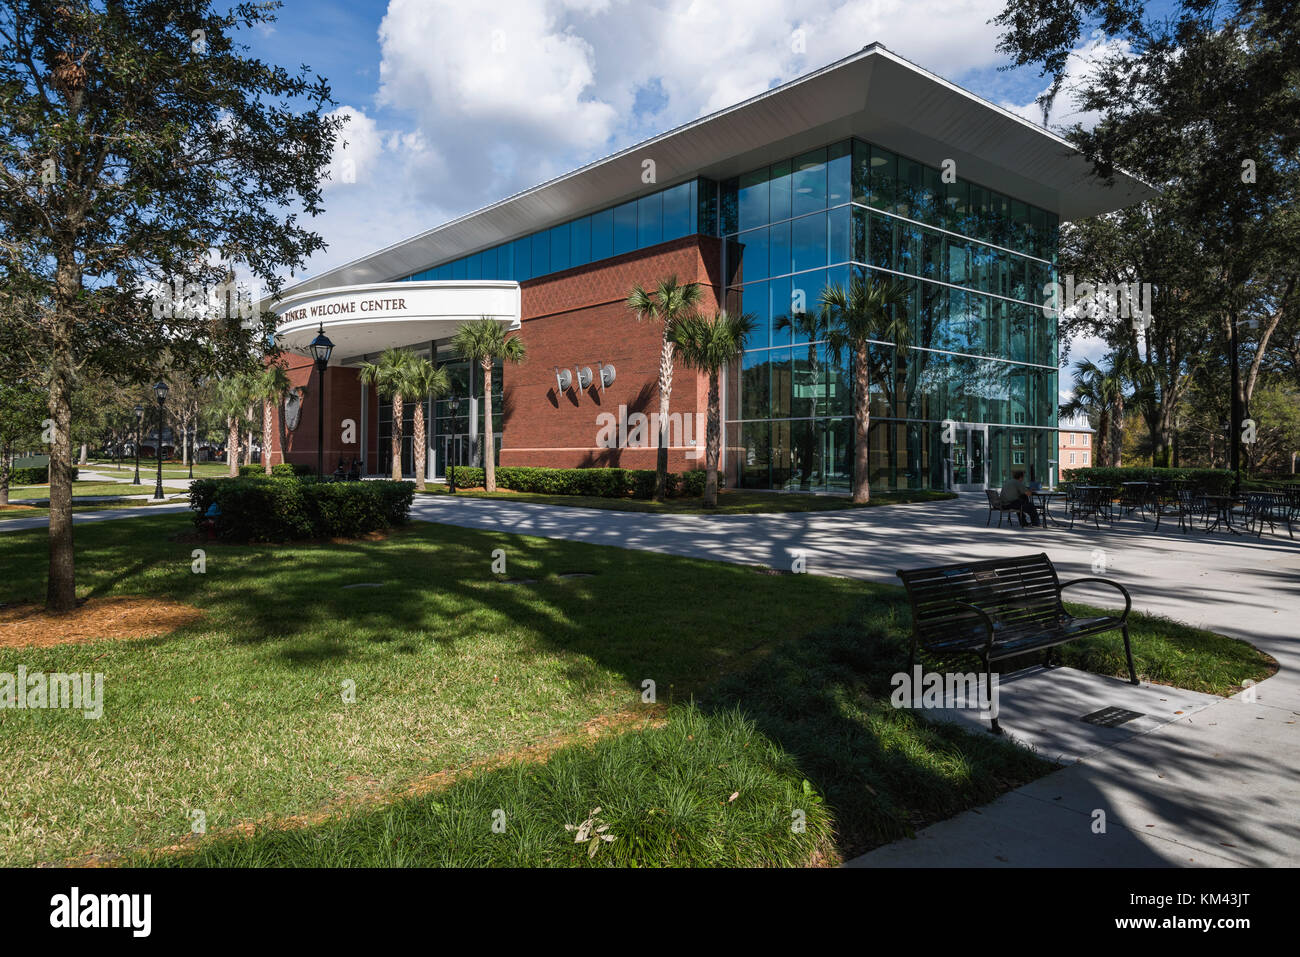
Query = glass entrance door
x=451 y=450
x=970 y=449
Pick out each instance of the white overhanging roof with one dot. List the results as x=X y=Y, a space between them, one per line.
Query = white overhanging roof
x=366 y=319
x=873 y=94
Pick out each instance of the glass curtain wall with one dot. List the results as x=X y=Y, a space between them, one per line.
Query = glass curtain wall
x=974 y=346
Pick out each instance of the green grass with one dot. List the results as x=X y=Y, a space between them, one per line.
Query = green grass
x=42 y=511
x=170 y=469
x=37 y=492
x=730 y=501
x=242 y=716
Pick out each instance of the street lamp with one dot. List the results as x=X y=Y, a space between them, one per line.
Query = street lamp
x=454 y=405
x=321 y=348
x=159 y=390
x=139 y=424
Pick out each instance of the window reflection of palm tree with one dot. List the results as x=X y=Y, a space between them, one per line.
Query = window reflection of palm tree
x=811 y=326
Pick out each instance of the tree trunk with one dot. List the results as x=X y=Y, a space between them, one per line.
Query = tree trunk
x=712 y=441
x=284 y=429
x=185 y=441
x=84 y=457
x=419 y=446
x=248 y=449
x=4 y=474
x=232 y=446
x=489 y=441
x=862 y=419
x=397 y=438
x=61 y=590
x=665 y=395
x=267 y=426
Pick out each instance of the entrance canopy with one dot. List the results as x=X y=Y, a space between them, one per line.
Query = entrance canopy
x=367 y=319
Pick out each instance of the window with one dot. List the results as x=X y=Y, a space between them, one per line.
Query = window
x=1017 y=458
x=1017 y=438
x=1085 y=458
x=1071 y=458
x=1071 y=438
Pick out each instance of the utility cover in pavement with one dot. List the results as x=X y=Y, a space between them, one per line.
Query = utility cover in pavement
x=1111 y=717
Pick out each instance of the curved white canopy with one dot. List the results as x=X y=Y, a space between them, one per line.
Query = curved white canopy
x=370 y=318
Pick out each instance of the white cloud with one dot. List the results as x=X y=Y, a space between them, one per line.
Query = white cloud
x=356 y=150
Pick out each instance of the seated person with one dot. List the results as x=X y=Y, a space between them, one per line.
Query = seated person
x=340 y=472
x=1015 y=493
x=354 y=473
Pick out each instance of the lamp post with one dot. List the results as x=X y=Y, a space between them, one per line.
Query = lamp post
x=139 y=424
x=320 y=349
x=454 y=405
x=159 y=390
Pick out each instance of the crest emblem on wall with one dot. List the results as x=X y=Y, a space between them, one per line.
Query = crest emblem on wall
x=293 y=407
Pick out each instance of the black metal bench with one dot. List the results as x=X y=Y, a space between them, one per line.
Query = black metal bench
x=999 y=609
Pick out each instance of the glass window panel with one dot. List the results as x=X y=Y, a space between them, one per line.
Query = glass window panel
x=839 y=173
x=780 y=186
x=808 y=242
x=625 y=228
x=649 y=213
x=910 y=186
x=523 y=255
x=806 y=290
x=979 y=211
x=706 y=216
x=1018 y=226
x=1038 y=230
x=779 y=363
x=839 y=248
x=460 y=269
x=755 y=385
x=860 y=220
x=580 y=241
x=729 y=203
x=779 y=249
x=783 y=311
x=541 y=253
x=756 y=455
x=754 y=300
x=808 y=179
x=928 y=202
x=677 y=211
x=880 y=247
x=754 y=252
x=752 y=200
x=957 y=206
x=559 y=247
x=861 y=172
x=602 y=235
x=884 y=179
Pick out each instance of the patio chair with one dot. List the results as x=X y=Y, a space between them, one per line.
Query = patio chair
x=997 y=505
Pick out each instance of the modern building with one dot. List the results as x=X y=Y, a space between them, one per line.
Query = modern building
x=869 y=166
x=1075 y=445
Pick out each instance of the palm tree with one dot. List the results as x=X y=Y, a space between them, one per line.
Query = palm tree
x=232 y=402
x=421 y=380
x=1100 y=392
x=708 y=343
x=484 y=340
x=668 y=304
x=854 y=317
x=388 y=376
x=270 y=384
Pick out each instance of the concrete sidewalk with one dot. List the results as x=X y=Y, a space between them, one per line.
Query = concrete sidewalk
x=1218 y=786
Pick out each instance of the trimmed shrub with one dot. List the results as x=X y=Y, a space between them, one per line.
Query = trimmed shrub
x=282 y=508
x=600 y=483
x=1214 y=481
x=280 y=470
x=33 y=476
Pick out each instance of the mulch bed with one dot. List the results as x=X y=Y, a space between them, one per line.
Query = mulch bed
x=95 y=619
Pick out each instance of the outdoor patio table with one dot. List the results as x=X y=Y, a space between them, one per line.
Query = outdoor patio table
x=1044 y=498
x=1222 y=513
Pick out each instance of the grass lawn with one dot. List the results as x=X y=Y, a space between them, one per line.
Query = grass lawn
x=772 y=703
x=36 y=492
x=730 y=501
x=30 y=511
x=170 y=469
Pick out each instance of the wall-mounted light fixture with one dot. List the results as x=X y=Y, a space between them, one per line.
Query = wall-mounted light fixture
x=606 y=375
x=563 y=380
x=584 y=378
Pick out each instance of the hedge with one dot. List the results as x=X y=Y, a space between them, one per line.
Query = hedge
x=600 y=483
x=1214 y=481
x=28 y=476
x=280 y=469
x=282 y=508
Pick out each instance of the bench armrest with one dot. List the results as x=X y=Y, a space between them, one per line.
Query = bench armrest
x=1128 y=600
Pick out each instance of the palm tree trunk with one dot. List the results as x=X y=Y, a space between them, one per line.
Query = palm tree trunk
x=397 y=438
x=665 y=394
x=419 y=445
x=862 y=419
x=232 y=446
x=489 y=440
x=712 y=441
x=266 y=435
x=284 y=427
x=4 y=474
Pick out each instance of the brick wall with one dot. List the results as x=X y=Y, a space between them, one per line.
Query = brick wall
x=342 y=401
x=579 y=318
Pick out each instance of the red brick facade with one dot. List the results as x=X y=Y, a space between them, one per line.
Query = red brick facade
x=579 y=317
x=573 y=318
